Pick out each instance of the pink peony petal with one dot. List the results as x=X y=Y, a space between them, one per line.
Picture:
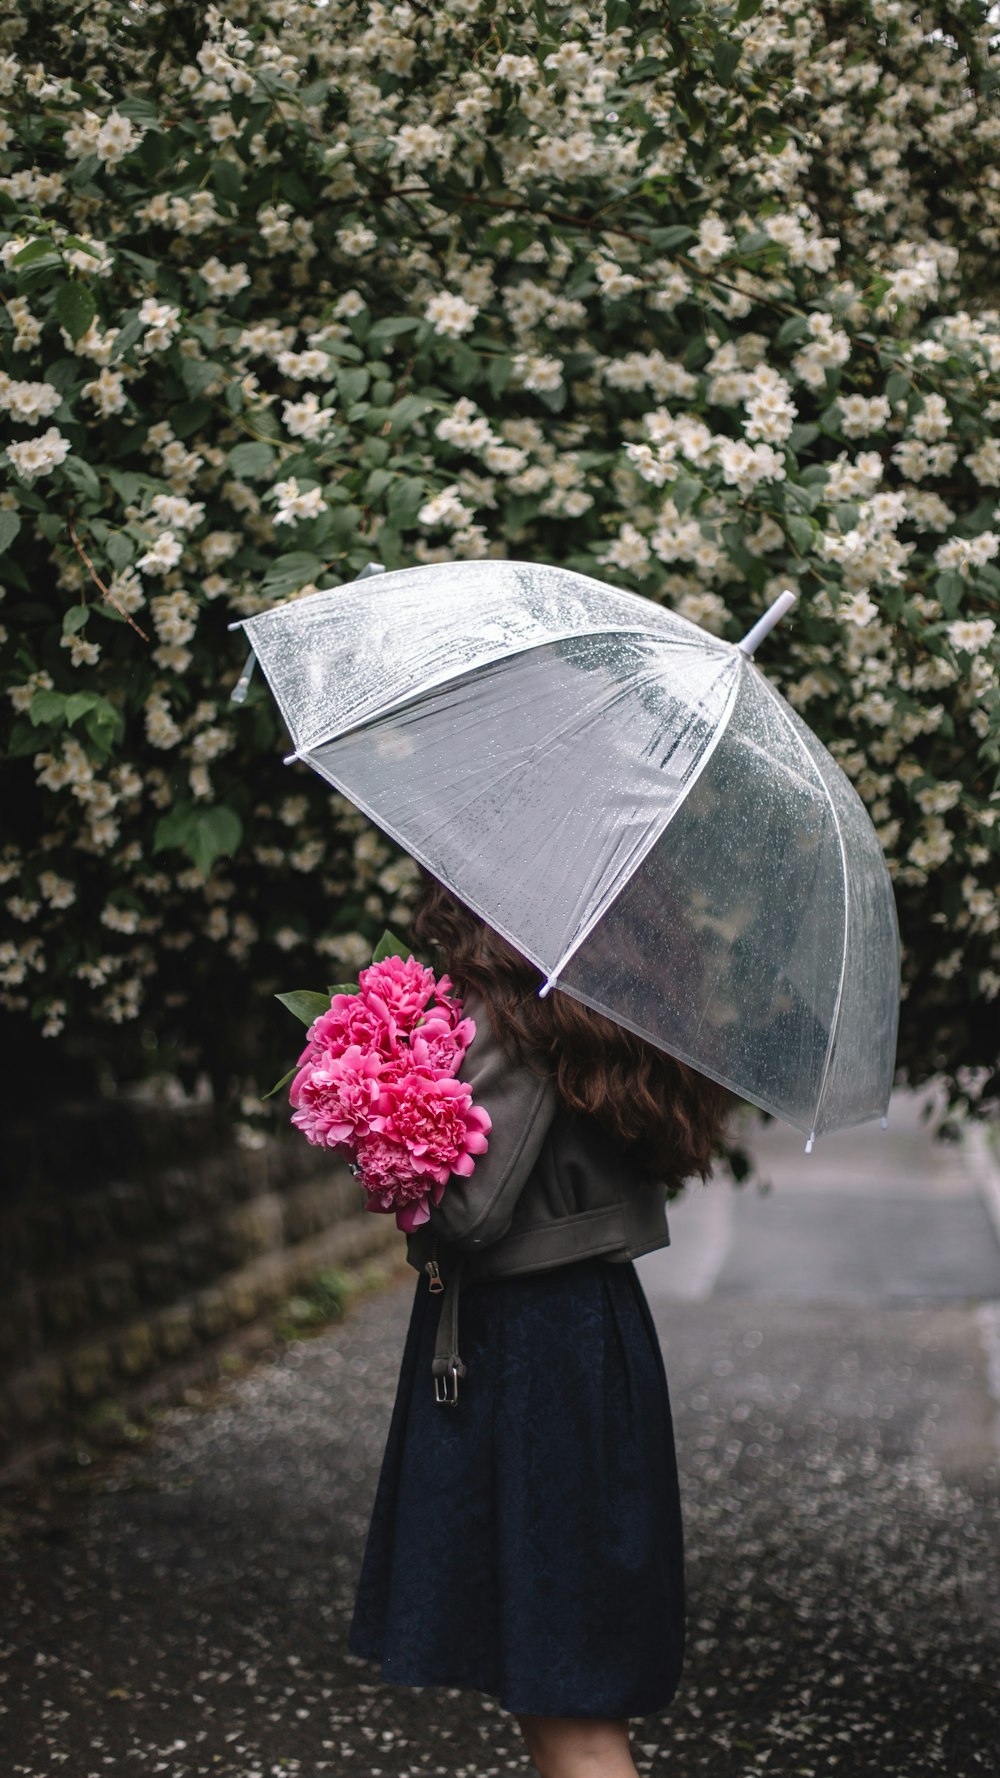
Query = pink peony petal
x=413 y=1216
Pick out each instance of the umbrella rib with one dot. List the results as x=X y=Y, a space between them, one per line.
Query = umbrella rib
x=838 y=1003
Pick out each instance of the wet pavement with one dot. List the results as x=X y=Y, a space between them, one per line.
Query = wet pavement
x=833 y=1350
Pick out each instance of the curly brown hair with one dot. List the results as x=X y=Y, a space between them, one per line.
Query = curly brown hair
x=670 y=1115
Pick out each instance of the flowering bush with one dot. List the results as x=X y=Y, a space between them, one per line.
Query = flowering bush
x=391 y=1102
x=694 y=296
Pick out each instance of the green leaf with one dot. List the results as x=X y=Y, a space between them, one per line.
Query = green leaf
x=33 y=254
x=352 y=384
x=148 y=267
x=801 y=436
x=283 y=1082
x=204 y=834
x=725 y=59
x=290 y=571
x=79 y=703
x=378 y=481
x=801 y=498
x=84 y=171
x=47 y=706
x=343 y=988
x=131 y=331
x=119 y=549
x=464 y=363
x=74 y=619
x=409 y=408
x=685 y=491
x=391 y=328
x=127 y=485
x=801 y=533
x=498 y=374
x=791 y=330
x=305 y=1004
x=10 y=525
x=82 y=477
x=104 y=725
x=754 y=241
x=390 y=946
x=198 y=373
x=406 y=498
x=674 y=236
x=75 y=306
x=228 y=180
x=253 y=460
x=897 y=387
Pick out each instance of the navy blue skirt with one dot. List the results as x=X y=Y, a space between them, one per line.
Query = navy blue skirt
x=527 y=1542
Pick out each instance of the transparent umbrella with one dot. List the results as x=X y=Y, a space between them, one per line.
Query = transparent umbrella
x=623 y=796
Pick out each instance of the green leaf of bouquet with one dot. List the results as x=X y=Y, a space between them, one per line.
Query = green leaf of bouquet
x=343 y=988
x=283 y=1082
x=305 y=1005
x=10 y=525
x=390 y=946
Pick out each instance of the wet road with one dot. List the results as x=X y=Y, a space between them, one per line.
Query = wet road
x=832 y=1351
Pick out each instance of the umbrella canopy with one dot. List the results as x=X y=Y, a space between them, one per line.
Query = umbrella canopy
x=623 y=796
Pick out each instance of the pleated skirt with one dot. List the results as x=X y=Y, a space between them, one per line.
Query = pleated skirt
x=527 y=1542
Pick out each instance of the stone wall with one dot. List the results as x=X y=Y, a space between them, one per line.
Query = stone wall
x=137 y=1238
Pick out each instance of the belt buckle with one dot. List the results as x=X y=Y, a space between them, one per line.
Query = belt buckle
x=446 y=1387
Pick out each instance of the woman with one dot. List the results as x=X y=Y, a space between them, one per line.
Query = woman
x=526 y=1536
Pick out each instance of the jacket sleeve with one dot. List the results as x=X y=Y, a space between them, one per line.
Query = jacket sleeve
x=476 y=1211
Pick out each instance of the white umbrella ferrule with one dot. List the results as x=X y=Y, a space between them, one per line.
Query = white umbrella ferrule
x=772 y=615
x=242 y=686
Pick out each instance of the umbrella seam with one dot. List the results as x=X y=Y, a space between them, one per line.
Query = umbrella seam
x=553 y=979
x=323 y=737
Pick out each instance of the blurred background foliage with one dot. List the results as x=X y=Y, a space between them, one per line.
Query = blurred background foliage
x=698 y=298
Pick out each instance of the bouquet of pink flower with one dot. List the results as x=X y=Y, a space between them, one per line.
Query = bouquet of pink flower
x=377 y=1082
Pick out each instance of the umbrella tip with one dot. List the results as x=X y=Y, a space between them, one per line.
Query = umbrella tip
x=809 y=1144
x=242 y=686
x=774 y=613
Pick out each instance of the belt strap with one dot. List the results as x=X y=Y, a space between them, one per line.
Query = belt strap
x=447 y=1366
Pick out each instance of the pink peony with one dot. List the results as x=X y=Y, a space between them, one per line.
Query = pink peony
x=435 y=1120
x=398 y=988
x=385 y=1169
x=337 y=1097
x=377 y=1081
x=347 y=1021
x=439 y=1046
